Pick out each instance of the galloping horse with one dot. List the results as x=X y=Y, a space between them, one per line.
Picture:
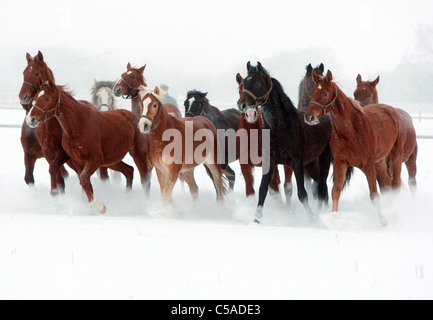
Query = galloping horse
x=196 y=104
x=92 y=138
x=156 y=121
x=45 y=140
x=361 y=137
x=250 y=122
x=292 y=142
x=366 y=94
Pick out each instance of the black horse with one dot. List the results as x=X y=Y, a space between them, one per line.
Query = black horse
x=306 y=85
x=291 y=141
x=197 y=104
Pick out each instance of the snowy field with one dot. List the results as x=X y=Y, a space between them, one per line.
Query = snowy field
x=54 y=248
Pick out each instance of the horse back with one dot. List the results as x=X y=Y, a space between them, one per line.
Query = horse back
x=233 y=118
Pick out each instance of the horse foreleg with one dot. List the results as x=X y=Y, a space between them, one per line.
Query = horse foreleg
x=288 y=185
x=263 y=192
x=275 y=182
x=412 y=170
x=247 y=172
x=85 y=183
x=299 y=170
x=29 y=161
x=231 y=176
x=371 y=175
x=188 y=176
x=103 y=174
x=340 y=170
x=55 y=165
x=172 y=177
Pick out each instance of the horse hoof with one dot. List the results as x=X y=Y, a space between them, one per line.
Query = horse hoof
x=54 y=192
x=257 y=221
x=98 y=206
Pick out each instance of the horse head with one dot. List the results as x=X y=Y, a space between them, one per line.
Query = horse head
x=323 y=98
x=366 y=92
x=46 y=104
x=103 y=95
x=36 y=73
x=254 y=90
x=129 y=83
x=196 y=104
x=151 y=106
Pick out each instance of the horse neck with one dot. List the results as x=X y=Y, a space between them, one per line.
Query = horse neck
x=135 y=105
x=69 y=114
x=345 y=115
x=275 y=112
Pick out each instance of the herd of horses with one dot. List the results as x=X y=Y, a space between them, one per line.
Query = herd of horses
x=328 y=128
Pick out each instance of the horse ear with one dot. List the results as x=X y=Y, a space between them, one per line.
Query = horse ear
x=259 y=66
x=141 y=70
x=40 y=57
x=375 y=82
x=329 y=77
x=315 y=76
x=239 y=79
x=28 y=57
x=309 y=69
x=359 y=80
x=128 y=67
x=249 y=66
x=157 y=91
x=96 y=81
x=321 y=68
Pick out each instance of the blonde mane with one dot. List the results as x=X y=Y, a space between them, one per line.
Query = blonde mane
x=149 y=90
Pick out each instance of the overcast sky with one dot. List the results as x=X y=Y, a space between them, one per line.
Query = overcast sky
x=200 y=37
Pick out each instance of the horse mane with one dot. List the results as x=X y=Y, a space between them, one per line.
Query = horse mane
x=148 y=90
x=285 y=100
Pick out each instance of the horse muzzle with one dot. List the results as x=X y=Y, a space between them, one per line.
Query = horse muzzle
x=118 y=91
x=311 y=119
x=32 y=122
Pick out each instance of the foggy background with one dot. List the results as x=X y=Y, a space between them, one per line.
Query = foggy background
x=201 y=45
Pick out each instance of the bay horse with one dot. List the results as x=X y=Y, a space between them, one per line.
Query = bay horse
x=366 y=93
x=197 y=104
x=156 y=121
x=361 y=137
x=113 y=134
x=249 y=123
x=45 y=140
x=293 y=143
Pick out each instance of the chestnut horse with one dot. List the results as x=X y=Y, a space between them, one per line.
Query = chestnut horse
x=91 y=138
x=156 y=121
x=250 y=122
x=129 y=88
x=366 y=94
x=361 y=137
x=293 y=143
x=45 y=140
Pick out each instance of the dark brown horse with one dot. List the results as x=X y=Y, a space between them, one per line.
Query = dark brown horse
x=113 y=134
x=292 y=142
x=45 y=140
x=253 y=122
x=156 y=121
x=366 y=93
x=361 y=137
x=306 y=85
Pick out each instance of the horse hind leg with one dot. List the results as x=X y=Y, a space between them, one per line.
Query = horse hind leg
x=231 y=177
x=215 y=173
x=412 y=170
x=126 y=170
x=247 y=172
x=103 y=174
x=288 y=185
x=85 y=183
x=383 y=174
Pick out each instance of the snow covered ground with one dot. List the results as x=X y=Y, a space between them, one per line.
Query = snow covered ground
x=55 y=248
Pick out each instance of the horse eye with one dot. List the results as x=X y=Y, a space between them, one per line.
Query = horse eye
x=37 y=74
x=258 y=84
x=325 y=94
x=155 y=106
x=369 y=95
x=47 y=99
x=133 y=77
